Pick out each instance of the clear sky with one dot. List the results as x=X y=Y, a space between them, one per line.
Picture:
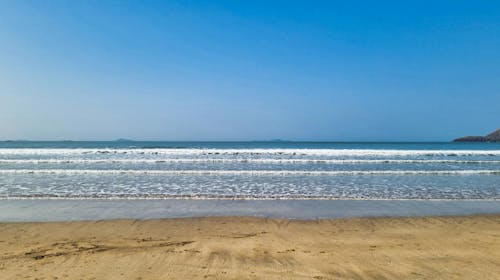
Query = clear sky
x=249 y=70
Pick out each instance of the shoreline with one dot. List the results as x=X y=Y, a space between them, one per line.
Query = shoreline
x=45 y=210
x=237 y=198
x=437 y=247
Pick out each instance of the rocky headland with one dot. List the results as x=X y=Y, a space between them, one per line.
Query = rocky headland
x=492 y=137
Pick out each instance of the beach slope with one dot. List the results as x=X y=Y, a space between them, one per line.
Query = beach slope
x=254 y=248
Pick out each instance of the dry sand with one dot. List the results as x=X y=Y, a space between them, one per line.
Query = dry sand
x=254 y=248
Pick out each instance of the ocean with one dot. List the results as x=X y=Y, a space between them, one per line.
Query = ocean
x=249 y=170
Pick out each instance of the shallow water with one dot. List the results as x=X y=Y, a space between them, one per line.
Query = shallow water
x=249 y=170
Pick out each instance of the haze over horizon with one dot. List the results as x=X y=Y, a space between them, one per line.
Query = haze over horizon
x=225 y=70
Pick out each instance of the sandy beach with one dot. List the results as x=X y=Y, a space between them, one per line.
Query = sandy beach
x=466 y=247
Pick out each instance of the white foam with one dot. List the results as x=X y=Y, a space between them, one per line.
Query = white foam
x=241 y=160
x=250 y=172
x=288 y=152
x=285 y=197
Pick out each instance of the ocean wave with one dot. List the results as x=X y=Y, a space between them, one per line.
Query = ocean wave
x=250 y=172
x=287 y=152
x=225 y=197
x=243 y=160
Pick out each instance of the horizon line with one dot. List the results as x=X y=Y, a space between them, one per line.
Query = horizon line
x=234 y=141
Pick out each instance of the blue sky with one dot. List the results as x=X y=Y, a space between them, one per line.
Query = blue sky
x=249 y=70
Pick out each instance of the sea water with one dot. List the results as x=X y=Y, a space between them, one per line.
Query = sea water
x=249 y=170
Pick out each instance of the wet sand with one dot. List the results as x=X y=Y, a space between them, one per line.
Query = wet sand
x=466 y=247
x=51 y=210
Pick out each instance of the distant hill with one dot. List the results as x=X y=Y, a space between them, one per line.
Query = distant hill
x=492 y=137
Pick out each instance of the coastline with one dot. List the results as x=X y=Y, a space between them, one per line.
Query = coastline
x=246 y=211
x=458 y=247
x=46 y=210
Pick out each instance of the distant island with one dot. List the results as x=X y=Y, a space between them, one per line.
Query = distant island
x=492 y=137
x=124 y=140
